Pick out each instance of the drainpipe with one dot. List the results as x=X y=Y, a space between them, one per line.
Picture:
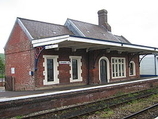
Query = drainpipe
x=155 y=64
x=88 y=61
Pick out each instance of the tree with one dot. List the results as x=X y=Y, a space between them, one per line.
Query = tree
x=2 y=66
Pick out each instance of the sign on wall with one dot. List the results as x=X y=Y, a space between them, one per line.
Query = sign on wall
x=64 y=62
x=12 y=70
x=51 y=46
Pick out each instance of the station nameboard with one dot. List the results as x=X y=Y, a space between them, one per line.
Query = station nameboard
x=51 y=46
x=64 y=62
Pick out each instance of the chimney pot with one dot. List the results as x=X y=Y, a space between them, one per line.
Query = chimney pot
x=102 y=14
x=103 y=19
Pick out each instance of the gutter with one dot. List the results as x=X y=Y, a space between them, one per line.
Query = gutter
x=128 y=45
x=62 y=38
x=155 y=64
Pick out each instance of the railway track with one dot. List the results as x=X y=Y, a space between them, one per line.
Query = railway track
x=147 y=113
x=76 y=111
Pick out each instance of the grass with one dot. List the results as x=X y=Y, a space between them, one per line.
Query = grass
x=2 y=75
x=18 y=117
x=125 y=109
x=107 y=113
x=134 y=106
x=137 y=105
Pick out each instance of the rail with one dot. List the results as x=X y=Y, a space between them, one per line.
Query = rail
x=84 y=109
x=146 y=111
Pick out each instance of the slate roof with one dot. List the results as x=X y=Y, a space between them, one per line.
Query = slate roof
x=122 y=39
x=38 y=30
x=95 y=31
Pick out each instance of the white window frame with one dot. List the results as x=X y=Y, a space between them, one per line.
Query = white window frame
x=116 y=66
x=56 y=72
x=134 y=68
x=79 y=63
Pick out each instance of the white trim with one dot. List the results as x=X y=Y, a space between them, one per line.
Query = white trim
x=49 y=43
x=56 y=72
x=108 y=68
x=76 y=28
x=5 y=99
x=59 y=39
x=67 y=38
x=92 y=41
x=117 y=68
x=78 y=58
x=138 y=47
x=63 y=38
x=49 y=39
x=25 y=29
x=134 y=68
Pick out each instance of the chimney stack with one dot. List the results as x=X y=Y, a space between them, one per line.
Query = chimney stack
x=103 y=20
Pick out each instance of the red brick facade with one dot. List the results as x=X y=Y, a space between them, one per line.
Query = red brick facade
x=56 y=101
x=20 y=58
x=64 y=69
x=20 y=61
x=95 y=69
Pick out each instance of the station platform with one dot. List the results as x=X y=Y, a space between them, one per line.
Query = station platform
x=16 y=103
x=14 y=95
x=10 y=94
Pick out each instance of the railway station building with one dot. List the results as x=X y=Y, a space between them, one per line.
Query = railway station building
x=42 y=55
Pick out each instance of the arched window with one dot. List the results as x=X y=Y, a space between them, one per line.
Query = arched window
x=132 y=68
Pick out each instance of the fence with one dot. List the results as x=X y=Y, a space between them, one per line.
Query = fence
x=9 y=83
x=6 y=81
x=2 y=82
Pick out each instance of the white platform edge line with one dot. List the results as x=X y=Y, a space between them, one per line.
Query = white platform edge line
x=68 y=91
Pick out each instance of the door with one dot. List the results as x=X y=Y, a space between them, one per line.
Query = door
x=103 y=71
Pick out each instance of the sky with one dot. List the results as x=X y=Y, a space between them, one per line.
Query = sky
x=136 y=20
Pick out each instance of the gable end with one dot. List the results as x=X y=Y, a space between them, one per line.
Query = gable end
x=24 y=29
x=72 y=27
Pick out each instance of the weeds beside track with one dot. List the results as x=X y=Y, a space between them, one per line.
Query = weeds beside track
x=147 y=113
x=84 y=109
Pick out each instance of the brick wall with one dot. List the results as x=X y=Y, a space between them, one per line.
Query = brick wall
x=19 y=57
x=94 y=65
x=30 y=105
x=64 y=69
x=94 y=56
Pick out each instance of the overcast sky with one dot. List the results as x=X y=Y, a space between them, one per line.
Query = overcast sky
x=136 y=20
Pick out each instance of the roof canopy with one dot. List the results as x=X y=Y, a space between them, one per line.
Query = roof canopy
x=78 y=42
x=78 y=35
